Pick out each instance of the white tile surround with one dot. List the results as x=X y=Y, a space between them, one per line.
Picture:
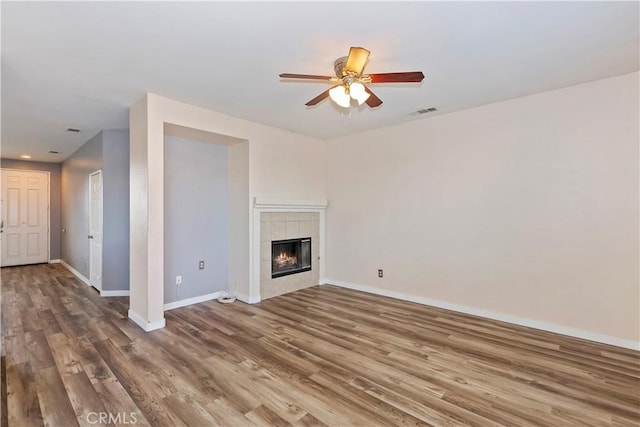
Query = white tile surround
x=281 y=226
x=279 y=219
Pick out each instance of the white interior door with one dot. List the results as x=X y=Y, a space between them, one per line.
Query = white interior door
x=24 y=217
x=95 y=230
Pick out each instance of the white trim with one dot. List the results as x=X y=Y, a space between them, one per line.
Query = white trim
x=321 y=246
x=193 y=300
x=522 y=321
x=293 y=204
x=147 y=326
x=86 y=281
x=55 y=261
x=254 y=260
x=76 y=273
x=247 y=299
x=122 y=293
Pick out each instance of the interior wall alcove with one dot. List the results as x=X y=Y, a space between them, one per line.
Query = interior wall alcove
x=262 y=161
x=197 y=188
x=151 y=119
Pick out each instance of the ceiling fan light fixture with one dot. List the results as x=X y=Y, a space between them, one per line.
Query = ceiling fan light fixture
x=340 y=96
x=351 y=80
x=358 y=92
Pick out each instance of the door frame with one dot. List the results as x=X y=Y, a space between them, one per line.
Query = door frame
x=48 y=192
x=101 y=213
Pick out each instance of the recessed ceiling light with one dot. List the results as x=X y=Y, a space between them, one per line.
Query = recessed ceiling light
x=25 y=156
x=74 y=130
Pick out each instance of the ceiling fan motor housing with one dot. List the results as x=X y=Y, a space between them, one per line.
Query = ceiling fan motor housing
x=338 y=66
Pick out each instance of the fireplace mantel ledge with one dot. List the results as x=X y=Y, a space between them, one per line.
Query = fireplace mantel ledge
x=273 y=203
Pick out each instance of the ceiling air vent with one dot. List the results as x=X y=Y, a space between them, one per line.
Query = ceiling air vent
x=54 y=152
x=427 y=110
x=424 y=111
x=74 y=130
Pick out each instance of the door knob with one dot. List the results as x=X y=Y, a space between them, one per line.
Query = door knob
x=90 y=236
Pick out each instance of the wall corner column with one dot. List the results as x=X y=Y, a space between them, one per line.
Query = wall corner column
x=146 y=216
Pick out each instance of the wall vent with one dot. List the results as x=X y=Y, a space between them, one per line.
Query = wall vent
x=74 y=130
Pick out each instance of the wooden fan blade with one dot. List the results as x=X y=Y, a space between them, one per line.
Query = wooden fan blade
x=303 y=76
x=320 y=97
x=357 y=60
x=373 y=101
x=408 y=77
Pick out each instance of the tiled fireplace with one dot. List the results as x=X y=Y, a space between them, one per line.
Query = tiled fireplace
x=289 y=248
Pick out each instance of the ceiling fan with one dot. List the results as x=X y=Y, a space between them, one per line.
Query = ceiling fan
x=351 y=80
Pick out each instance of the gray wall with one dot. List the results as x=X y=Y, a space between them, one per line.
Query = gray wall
x=195 y=217
x=108 y=151
x=115 y=182
x=75 y=203
x=54 y=197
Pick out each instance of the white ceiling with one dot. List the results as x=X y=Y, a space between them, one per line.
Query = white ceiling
x=83 y=64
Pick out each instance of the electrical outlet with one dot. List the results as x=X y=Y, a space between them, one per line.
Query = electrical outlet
x=178 y=280
x=380 y=273
x=201 y=264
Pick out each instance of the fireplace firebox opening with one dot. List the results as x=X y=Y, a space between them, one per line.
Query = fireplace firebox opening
x=290 y=256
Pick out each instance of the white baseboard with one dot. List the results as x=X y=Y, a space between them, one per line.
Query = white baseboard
x=76 y=273
x=193 y=300
x=114 y=293
x=147 y=326
x=521 y=321
x=246 y=299
x=86 y=281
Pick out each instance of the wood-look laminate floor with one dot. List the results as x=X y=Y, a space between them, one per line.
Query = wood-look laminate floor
x=321 y=356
